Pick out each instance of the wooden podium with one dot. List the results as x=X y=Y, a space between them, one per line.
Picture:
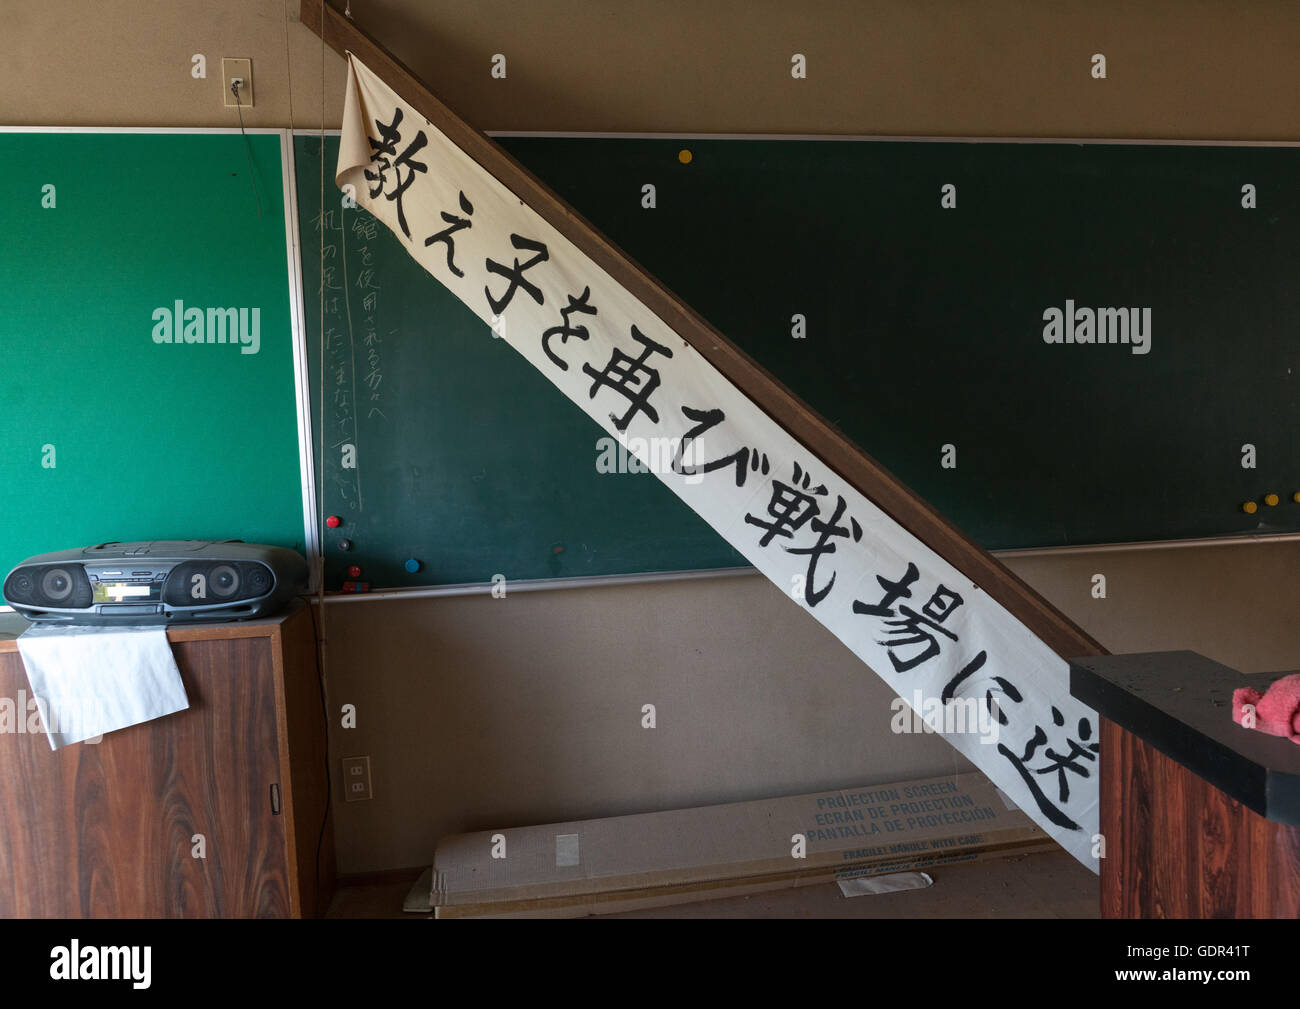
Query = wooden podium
x=112 y=829
x=1201 y=817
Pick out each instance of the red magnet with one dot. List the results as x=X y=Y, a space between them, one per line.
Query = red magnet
x=354 y=571
x=333 y=521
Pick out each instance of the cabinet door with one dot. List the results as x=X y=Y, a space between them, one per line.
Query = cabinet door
x=115 y=829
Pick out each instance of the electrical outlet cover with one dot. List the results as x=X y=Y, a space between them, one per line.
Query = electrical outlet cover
x=356 y=779
x=232 y=68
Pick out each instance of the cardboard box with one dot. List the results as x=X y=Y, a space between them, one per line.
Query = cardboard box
x=588 y=866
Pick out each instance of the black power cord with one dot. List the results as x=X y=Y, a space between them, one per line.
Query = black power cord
x=252 y=173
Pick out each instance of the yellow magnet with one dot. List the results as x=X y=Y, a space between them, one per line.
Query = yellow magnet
x=1250 y=507
x=1271 y=500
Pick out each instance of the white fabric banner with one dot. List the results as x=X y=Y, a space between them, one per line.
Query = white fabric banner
x=965 y=664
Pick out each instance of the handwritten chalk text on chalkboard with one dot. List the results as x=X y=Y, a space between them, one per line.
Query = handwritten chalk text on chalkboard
x=1130 y=326
x=242 y=326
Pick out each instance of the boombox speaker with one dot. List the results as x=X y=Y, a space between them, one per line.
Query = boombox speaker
x=156 y=582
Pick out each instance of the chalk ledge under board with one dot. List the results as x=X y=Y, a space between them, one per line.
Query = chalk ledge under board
x=610 y=581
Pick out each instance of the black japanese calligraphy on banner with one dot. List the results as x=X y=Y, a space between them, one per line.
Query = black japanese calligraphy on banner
x=902 y=608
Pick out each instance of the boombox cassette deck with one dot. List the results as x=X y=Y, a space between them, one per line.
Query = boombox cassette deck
x=156 y=582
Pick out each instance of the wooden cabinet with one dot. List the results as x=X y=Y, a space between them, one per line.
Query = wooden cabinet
x=1185 y=848
x=1201 y=817
x=215 y=811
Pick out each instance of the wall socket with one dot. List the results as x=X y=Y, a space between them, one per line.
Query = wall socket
x=356 y=779
x=243 y=70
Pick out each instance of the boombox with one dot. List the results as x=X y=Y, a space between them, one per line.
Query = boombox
x=157 y=582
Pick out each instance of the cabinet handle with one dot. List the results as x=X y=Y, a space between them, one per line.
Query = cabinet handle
x=275 y=799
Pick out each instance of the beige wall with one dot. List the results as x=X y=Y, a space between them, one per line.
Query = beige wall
x=480 y=712
x=1214 y=69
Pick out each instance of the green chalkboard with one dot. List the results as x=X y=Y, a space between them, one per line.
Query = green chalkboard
x=924 y=316
x=108 y=434
x=433 y=406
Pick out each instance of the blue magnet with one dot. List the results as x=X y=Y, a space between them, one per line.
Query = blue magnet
x=412 y=565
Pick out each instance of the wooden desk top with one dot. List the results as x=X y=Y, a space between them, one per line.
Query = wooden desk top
x=12 y=625
x=1181 y=704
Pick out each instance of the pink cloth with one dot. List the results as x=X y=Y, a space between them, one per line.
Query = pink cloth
x=1277 y=710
